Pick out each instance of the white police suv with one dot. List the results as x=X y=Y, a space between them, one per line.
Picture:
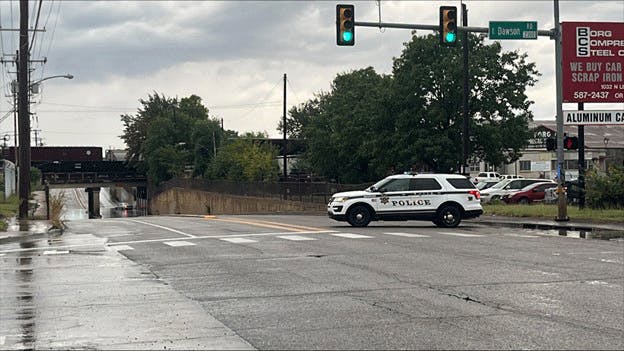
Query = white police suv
x=445 y=199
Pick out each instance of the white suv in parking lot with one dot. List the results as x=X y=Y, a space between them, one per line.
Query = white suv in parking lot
x=484 y=176
x=445 y=199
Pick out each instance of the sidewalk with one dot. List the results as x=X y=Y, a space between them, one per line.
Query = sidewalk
x=70 y=291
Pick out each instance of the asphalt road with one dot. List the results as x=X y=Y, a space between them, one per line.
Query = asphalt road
x=307 y=282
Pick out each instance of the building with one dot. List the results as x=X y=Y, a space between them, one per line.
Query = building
x=604 y=146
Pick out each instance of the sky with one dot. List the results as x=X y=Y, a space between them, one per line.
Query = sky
x=233 y=54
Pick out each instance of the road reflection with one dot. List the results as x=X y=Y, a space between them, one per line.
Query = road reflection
x=25 y=309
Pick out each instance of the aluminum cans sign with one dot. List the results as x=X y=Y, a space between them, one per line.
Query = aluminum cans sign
x=593 y=60
x=589 y=117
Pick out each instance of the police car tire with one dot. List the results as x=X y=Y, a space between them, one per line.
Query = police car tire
x=449 y=216
x=359 y=216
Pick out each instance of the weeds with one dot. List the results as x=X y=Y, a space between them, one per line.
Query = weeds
x=57 y=203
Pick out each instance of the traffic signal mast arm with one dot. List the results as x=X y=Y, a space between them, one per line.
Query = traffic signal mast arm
x=542 y=33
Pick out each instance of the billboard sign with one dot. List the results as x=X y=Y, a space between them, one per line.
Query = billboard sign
x=593 y=61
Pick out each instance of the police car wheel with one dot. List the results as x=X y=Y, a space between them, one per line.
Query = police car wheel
x=359 y=216
x=449 y=216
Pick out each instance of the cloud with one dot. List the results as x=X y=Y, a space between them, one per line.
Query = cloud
x=234 y=54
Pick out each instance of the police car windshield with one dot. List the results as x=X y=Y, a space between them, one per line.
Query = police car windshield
x=378 y=185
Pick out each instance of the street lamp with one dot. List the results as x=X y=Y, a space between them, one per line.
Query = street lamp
x=34 y=86
x=24 y=135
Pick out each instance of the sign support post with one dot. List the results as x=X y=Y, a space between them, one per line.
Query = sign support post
x=581 y=160
x=562 y=210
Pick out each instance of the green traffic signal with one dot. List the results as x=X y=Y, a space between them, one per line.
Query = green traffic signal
x=345 y=25
x=448 y=25
x=347 y=36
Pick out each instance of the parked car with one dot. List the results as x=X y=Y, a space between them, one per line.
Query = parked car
x=483 y=176
x=531 y=193
x=506 y=186
x=511 y=176
x=486 y=184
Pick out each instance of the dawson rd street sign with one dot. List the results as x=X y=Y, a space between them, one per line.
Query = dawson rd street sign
x=513 y=30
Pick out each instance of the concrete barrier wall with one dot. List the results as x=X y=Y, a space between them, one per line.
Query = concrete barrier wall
x=188 y=201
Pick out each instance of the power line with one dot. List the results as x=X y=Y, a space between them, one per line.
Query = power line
x=32 y=42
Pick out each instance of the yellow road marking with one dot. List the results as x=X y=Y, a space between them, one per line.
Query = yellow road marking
x=266 y=224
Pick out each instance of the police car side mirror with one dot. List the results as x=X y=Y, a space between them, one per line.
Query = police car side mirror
x=372 y=189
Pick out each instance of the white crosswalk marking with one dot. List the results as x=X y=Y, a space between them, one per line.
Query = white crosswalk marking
x=351 y=236
x=178 y=243
x=238 y=240
x=55 y=252
x=460 y=234
x=522 y=236
x=122 y=247
x=295 y=237
x=409 y=235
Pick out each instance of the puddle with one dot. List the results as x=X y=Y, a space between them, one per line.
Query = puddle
x=580 y=234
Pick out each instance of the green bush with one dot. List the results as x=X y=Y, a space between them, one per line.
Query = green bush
x=605 y=190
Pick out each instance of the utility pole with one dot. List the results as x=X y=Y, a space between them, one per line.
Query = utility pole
x=284 y=122
x=562 y=211
x=23 y=113
x=36 y=131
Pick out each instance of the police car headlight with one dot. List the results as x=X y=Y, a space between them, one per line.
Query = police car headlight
x=341 y=199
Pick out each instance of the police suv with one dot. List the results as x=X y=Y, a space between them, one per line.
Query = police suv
x=445 y=199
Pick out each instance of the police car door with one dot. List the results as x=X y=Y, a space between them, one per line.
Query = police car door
x=394 y=196
x=426 y=195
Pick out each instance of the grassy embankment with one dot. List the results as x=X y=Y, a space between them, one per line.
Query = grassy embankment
x=551 y=211
x=8 y=209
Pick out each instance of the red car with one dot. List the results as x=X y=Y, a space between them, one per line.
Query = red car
x=530 y=193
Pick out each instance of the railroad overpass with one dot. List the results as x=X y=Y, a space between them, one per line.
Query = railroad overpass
x=92 y=175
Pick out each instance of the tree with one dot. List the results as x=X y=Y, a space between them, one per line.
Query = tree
x=246 y=159
x=169 y=134
x=370 y=123
x=340 y=127
x=428 y=84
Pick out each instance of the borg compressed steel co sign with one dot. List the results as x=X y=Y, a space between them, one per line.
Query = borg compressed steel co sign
x=593 y=59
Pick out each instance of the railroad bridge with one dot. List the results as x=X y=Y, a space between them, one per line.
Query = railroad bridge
x=91 y=175
x=82 y=167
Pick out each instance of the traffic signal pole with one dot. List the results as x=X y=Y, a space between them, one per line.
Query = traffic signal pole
x=465 y=169
x=541 y=33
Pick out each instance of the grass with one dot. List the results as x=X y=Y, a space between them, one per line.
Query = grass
x=8 y=209
x=551 y=211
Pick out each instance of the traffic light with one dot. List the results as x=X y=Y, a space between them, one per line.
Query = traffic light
x=570 y=143
x=345 y=25
x=448 y=25
x=551 y=144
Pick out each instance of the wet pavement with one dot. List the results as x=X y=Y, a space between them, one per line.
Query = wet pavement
x=71 y=291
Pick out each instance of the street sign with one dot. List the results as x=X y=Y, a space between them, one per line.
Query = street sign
x=592 y=61
x=513 y=30
x=593 y=117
